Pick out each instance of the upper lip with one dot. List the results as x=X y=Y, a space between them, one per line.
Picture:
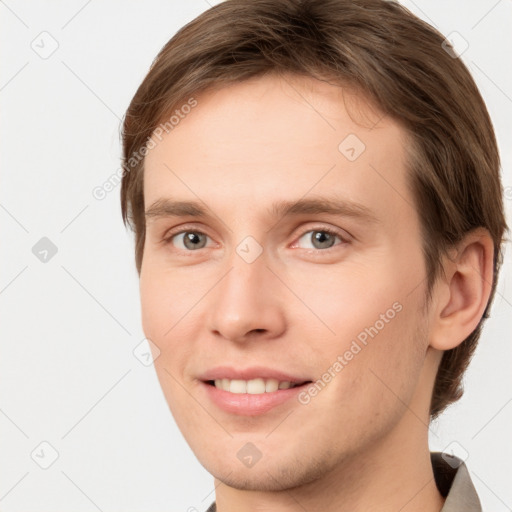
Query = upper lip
x=253 y=372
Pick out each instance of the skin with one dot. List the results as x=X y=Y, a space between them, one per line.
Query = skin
x=362 y=443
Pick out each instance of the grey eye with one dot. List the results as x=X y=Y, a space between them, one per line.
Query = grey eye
x=319 y=239
x=191 y=240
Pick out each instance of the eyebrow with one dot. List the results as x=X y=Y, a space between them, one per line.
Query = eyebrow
x=165 y=207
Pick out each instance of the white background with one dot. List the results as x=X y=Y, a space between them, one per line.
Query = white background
x=69 y=326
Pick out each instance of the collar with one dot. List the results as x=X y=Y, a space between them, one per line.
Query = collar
x=454 y=483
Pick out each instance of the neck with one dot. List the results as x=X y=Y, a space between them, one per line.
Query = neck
x=393 y=474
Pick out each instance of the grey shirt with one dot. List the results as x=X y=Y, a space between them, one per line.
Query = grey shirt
x=452 y=480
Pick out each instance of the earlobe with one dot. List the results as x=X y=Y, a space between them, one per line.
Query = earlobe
x=464 y=291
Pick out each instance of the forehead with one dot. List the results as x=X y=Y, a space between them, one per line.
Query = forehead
x=275 y=138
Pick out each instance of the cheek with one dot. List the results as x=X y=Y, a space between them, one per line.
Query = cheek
x=170 y=304
x=166 y=297
x=374 y=348
x=346 y=303
x=153 y=306
x=164 y=322
x=386 y=372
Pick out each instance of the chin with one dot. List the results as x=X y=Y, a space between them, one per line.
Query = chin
x=275 y=473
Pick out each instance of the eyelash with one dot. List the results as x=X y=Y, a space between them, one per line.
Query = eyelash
x=323 y=229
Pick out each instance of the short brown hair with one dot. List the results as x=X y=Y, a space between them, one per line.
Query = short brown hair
x=386 y=53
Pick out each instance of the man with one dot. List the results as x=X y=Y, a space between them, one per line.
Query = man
x=314 y=189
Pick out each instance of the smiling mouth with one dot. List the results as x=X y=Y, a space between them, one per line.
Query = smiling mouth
x=254 y=386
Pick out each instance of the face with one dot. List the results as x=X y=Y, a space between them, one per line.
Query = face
x=286 y=301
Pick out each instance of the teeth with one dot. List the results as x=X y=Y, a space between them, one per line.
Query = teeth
x=271 y=385
x=253 y=386
x=238 y=386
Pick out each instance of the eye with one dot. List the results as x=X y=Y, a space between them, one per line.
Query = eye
x=321 y=238
x=187 y=240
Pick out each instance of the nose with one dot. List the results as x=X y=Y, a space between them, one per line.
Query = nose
x=248 y=302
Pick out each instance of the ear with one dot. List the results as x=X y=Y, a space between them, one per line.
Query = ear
x=462 y=293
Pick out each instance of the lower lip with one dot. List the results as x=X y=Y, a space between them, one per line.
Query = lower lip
x=246 y=404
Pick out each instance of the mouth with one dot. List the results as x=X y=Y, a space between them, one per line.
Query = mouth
x=255 y=386
x=255 y=396
x=251 y=391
